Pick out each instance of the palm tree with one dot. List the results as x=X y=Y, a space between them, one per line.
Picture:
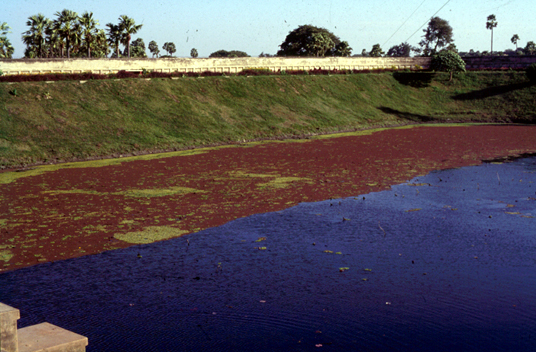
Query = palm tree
x=514 y=40
x=6 y=49
x=67 y=28
x=89 y=30
x=490 y=24
x=114 y=36
x=170 y=48
x=54 y=44
x=36 y=35
x=100 y=44
x=153 y=48
x=128 y=27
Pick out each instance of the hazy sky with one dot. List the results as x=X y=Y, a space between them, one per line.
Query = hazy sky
x=210 y=25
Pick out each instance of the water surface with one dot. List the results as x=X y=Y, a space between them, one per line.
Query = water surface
x=446 y=262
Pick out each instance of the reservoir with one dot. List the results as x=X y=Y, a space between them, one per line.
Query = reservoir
x=445 y=262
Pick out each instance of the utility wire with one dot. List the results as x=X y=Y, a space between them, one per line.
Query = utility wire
x=424 y=24
x=407 y=19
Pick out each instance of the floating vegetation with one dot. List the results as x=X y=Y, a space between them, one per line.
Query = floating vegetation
x=283 y=182
x=260 y=239
x=6 y=255
x=159 y=192
x=150 y=234
x=242 y=174
x=135 y=193
x=411 y=210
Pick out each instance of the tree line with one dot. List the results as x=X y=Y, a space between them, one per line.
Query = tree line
x=70 y=35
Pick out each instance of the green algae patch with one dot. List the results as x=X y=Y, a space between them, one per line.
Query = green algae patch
x=242 y=174
x=5 y=255
x=135 y=193
x=368 y=132
x=159 y=192
x=283 y=182
x=73 y=191
x=12 y=176
x=150 y=234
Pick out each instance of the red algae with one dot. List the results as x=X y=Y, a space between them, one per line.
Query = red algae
x=68 y=212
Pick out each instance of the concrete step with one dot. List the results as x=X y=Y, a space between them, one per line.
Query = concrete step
x=43 y=337
x=46 y=337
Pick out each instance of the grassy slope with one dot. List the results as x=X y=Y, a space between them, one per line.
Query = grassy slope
x=106 y=117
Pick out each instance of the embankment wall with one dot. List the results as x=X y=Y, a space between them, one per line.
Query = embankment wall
x=227 y=65
x=498 y=62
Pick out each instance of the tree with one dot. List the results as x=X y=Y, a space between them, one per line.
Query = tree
x=170 y=48
x=232 y=53
x=114 y=36
x=138 y=48
x=448 y=61
x=128 y=27
x=89 y=30
x=194 y=53
x=35 y=36
x=452 y=47
x=66 y=26
x=364 y=52
x=6 y=49
x=401 y=50
x=514 y=40
x=319 y=44
x=54 y=42
x=376 y=51
x=303 y=42
x=530 y=48
x=153 y=48
x=490 y=24
x=343 y=49
x=437 y=35
x=99 y=45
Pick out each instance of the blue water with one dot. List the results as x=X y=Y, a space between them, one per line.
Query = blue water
x=445 y=264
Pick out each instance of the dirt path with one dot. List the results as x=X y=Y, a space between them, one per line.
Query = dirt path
x=69 y=210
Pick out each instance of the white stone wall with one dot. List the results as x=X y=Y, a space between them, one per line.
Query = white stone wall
x=227 y=65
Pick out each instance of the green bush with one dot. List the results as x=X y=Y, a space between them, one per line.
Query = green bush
x=531 y=72
x=448 y=61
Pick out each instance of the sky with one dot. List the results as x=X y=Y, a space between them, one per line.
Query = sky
x=211 y=25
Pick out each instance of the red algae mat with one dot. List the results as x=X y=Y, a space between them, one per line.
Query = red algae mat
x=64 y=211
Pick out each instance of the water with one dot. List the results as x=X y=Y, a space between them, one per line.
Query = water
x=446 y=263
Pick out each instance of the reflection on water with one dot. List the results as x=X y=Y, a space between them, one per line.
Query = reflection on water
x=444 y=263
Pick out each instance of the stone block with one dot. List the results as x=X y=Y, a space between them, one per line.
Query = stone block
x=8 y=328
x=46 y=337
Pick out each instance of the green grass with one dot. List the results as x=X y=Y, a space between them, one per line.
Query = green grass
x=68 y=120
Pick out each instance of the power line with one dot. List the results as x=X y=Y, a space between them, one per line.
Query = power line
x=427 y=20
x=407 y=19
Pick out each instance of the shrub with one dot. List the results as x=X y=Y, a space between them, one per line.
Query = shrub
x=448 y=61
x=531 y=73
x=255 y=71
x=126 y=74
